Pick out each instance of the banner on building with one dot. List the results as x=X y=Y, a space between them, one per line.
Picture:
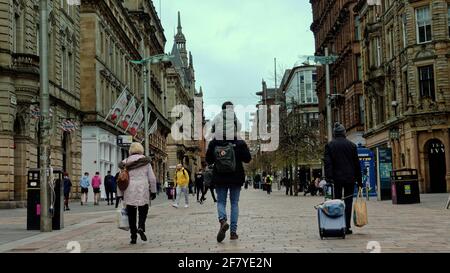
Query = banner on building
x=136 y=123
x=154 y=127
x=68 y=125
x=35 y=112
x=140 y=136
x=116 y=112
x=125 y=119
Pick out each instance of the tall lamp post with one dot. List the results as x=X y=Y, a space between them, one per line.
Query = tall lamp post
x=320 y=61
x=156 y=59
x=46 y=220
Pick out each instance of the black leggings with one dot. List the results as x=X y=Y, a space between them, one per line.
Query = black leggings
x=212 y=193
x=108 y=195
x=132 y=218
x=199 y=189
x=118 y=200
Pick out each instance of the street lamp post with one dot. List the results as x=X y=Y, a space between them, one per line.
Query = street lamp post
x=320 y=61
x=156 y=59
x=146 y=117
x=328 y=94
x=46 y=220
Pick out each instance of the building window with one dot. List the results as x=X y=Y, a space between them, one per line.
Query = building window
x=361 y=109
x=359 y=68
x=380 y=109
x=17 y=29
x=38 y=38
x=378 y=45
x=357 y=29
x=71 y=74
x=423 y=24
x=404 y=28
x=448 y=19
x=426 y=82
x=390 y=43
x=63 y=68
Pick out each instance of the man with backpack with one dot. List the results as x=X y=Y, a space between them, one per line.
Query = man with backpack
x=181 y=181
x=109 y=188
x=228 y=155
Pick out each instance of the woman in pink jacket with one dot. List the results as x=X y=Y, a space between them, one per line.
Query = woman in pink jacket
x=96 y=182
x=141 y=186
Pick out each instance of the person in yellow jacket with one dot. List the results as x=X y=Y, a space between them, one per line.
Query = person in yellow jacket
x=181 y=181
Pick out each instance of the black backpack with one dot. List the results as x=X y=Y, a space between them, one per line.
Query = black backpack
x=208 y=176
x=225 y=158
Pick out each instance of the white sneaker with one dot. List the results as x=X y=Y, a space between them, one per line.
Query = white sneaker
x=186 y=206
x=175 y=205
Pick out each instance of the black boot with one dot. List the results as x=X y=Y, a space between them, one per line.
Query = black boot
x=222 y=231
x=133 y=239
x=142 y=234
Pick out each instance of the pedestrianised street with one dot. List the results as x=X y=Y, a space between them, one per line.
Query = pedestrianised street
x=267 y=224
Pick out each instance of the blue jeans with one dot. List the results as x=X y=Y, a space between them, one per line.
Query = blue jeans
x=222 y=194
x=185 y=191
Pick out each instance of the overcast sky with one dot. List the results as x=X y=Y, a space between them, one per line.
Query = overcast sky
x=234 y=42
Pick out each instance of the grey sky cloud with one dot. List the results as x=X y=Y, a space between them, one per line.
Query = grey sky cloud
x=234 y=42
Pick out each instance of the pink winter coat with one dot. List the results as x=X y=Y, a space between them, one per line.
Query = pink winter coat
x=96 y=182
x=142 y=181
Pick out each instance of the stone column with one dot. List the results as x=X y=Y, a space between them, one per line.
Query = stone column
x=416 y=161
x=447 y=156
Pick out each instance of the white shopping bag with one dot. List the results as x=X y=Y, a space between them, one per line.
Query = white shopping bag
x=122 y=219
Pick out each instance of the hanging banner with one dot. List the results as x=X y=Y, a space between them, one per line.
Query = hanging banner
x=118 y=107
x=153 y=128
x=35 y=112
x=136 y=122
x=68 y=126
x=125 y=120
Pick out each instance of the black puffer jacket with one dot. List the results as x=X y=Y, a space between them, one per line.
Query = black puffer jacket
x=242 y=154
x=342 y=162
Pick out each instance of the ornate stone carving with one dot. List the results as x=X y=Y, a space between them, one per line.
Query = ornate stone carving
x=430 y=121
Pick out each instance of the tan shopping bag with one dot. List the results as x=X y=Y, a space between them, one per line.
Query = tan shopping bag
x=360 y=211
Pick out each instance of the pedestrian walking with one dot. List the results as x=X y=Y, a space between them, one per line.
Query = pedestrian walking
x=227 y=155
x=158 y=187
x=181 y=181
x=141 y=188
x=207 y=188
x=67 y=189
x=269 y=182
x=109 y=188
x=342 y=168
x=199 y=185
x=84 y=185
x=287 y=182
x=119 y=194
x=257 y=181
x=191 y=186
x=247 y=181
x=96 y=183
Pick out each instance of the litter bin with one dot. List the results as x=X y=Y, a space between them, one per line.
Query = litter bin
x=34 y=200
x=171 y=191
x=405 y=186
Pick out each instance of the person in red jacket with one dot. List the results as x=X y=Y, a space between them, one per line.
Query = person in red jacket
x=96 y=183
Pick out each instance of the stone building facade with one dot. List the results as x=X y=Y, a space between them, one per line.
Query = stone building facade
x=181 y=90
x=334 y=27
x=19 y=93
x=406 y=69
x=114 y=34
